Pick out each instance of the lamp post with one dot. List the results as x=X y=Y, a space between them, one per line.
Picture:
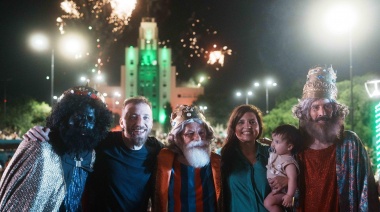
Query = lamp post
x=249 y=93
x=52 y=78
x=341 y=19
x=5 y=97
x=71 y=43
x=268 y=83
x=40 y=42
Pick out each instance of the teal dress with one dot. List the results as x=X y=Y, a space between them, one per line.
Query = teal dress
x=246 y=185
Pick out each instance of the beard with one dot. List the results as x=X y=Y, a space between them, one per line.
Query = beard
x=197 y=153
x=328 y=131
x=77 y=140
x=140 y=139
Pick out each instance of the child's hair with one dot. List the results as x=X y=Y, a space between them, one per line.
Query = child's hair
x=291 y=134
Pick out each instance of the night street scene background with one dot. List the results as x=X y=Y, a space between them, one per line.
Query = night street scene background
x=278 y=40
x=259 y=39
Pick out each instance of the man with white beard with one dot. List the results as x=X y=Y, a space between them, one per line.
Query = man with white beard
x=188 y=173
x=336 y=172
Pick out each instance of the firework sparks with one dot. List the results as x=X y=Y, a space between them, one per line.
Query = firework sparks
x=105 y=20
x=196 y=43
x=71 y=9
x=121 y=11
x=217 y=56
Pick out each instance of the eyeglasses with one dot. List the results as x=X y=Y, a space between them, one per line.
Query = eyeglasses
x=191 y=134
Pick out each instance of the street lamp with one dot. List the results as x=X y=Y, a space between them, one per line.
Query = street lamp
x=269 y=83
x=341 y=19
x=72 y=44
x=249 y=93
x=40 y=42
x=203 y=108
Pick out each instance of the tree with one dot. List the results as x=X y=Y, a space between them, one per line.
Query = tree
x=24 y=114
x=168 y=111
x=281 y=114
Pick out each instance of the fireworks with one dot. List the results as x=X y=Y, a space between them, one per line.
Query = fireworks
x=217 y=57
x=104 y=19
x=198 y=45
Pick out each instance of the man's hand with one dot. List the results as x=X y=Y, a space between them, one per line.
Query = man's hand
x=278 y=183
x=37 y=133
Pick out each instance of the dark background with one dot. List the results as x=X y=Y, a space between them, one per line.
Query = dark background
x=276 y=39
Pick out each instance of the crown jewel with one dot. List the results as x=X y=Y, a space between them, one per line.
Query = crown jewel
x=83 y=91
x=185 y=112
x=320 y=83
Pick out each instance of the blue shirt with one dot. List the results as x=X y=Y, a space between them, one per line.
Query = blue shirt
x=122 y=178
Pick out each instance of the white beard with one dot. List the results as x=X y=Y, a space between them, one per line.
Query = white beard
x=197 y=153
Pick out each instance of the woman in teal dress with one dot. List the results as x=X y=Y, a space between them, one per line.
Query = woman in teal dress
x=244 y=181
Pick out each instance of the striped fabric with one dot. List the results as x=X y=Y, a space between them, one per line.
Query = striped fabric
x=191 y=189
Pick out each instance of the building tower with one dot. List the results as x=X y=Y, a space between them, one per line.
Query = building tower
x=148 y=72
x=148 y=69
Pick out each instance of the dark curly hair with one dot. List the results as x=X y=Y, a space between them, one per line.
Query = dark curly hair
x=67 y=106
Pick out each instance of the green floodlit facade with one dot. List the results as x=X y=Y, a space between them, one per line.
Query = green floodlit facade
x=376 y=129
x=148 y=69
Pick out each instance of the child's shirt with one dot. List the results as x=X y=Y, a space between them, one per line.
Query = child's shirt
x=277 y=163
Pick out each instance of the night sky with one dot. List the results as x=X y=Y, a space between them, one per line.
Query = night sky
x=275 y=39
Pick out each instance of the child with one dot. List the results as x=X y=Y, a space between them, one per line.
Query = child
x=281 y=163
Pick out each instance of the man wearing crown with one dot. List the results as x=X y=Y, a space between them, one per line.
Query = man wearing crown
x=50 y=176
x=336 y=172
x=188 y=173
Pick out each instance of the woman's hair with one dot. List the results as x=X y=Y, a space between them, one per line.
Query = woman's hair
x=66 y=107
x=176 y=133
x=302 y=109
x=231 y=139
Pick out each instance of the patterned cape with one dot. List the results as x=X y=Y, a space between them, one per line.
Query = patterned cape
x=356 y=184
x=33 y=180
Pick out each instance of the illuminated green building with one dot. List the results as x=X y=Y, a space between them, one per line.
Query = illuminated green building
x=147 y=69
x=148 y=72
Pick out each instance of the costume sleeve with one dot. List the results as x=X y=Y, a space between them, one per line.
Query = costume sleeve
x=369 y=196
x=32 y=181
x=356 y=184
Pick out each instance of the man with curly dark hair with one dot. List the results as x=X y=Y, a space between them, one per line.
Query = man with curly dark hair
x=51 y=176
x=123 y=178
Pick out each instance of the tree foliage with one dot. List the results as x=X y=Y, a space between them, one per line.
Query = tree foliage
x=23 y=114
x=281 y=114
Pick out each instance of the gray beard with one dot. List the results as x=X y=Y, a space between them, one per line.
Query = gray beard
x=328 y=132
x=197 y=156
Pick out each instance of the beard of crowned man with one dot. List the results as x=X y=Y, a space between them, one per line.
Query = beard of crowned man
x=197 y=153
x=330 y=130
